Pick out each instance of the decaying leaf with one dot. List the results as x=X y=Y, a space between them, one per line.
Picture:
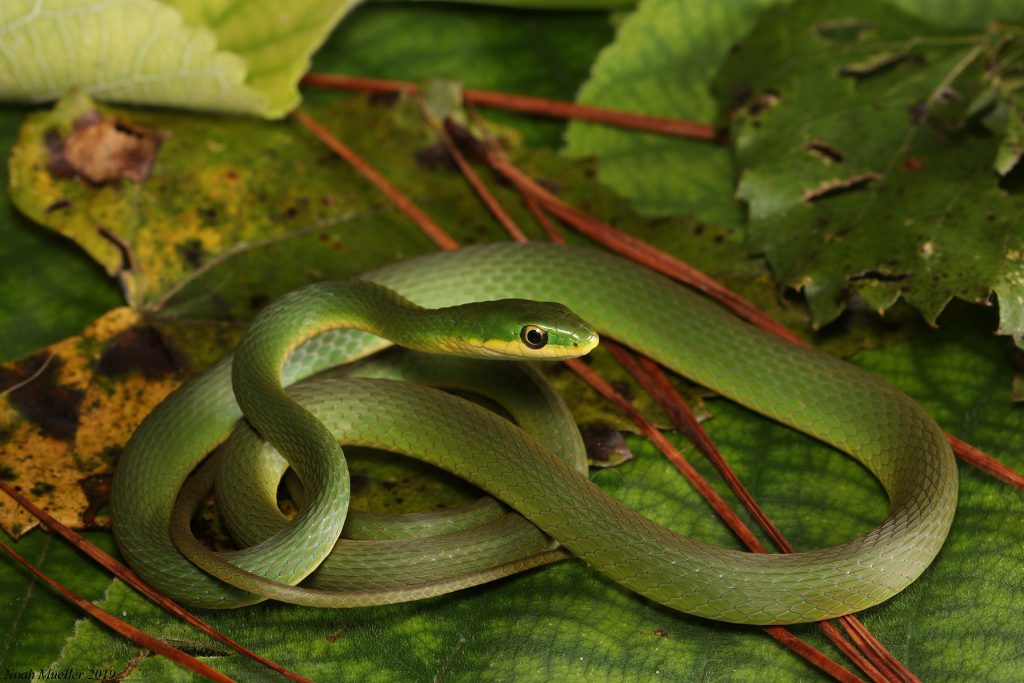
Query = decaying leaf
x=41 y=424
x=102 y=149
x=67 y=411
x=869 y=179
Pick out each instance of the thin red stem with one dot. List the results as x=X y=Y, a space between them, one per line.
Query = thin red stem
x=481 y=190
x=984 y=462
x=431 y=229
x=543 y=220
x=525 y=104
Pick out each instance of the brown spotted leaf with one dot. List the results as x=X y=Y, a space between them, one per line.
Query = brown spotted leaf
x=867 y=172
x=44 y=400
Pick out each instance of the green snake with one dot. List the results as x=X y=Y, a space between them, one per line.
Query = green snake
x=427 y=303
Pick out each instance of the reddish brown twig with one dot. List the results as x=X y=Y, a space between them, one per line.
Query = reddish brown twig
x=489 y=200
x=812 y=655
x=431 y=229
x=874 y=648
x=984 y=462
x=538 y=106
x=543 y=220
x=125 y=573
x=140 y=638
x=655 y=383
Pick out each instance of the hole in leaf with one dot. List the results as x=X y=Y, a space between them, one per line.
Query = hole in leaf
x=824 y=151
x=877 y=276
x=844 y=30
x=874 y=64
x=836 y=187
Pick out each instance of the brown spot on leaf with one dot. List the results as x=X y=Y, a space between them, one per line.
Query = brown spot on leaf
x=209 y=215
x=41 y=488
x=104 y=149
x=57 y=205
x=96 y=488
x=139 y=349
x=661 y=633
x=192 y=253
x=605 y=445
x=437 y=158
x=873 y=65
x=552 y=186
x=127 y=257
x=825 y=151
x=839 y=186
x=465 y=140
x=384 y=99
x=35 y=393
x=844 y=30
x=877 y=276
x=763 y=102
x=912 y=164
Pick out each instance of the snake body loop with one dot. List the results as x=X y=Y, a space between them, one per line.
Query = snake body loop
x=822 y=396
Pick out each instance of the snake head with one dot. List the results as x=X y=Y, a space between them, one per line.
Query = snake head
x=521 y=329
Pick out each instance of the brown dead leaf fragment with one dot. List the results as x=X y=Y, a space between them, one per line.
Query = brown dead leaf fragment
x=33 y=388
x=47 y=412
x=605 y=445
x=104 y=149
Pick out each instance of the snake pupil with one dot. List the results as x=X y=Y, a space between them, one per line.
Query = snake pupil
x=534 y=337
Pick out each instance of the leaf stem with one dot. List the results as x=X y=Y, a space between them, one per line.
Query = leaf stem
x=526 y=104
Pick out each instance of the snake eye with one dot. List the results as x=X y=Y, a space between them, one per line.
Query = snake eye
x=533 y=336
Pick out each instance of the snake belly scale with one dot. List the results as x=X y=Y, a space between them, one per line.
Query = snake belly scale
x=812 y=392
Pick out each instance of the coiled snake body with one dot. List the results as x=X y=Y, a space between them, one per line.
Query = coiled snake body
x=815 y=393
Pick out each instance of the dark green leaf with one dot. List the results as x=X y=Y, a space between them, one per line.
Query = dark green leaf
x=864 y=172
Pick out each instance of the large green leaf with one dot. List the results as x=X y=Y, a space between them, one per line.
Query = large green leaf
x=200 y=54
x=863 y=171
x=661 y=62
x=565 y=621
